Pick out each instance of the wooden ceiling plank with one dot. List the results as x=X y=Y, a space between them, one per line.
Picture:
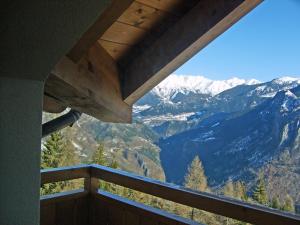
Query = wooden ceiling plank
x=206 y=21
x=176 y=7
x=124 y=34
x=92 y=85
x=105 y=20
x=116 y=50
x=142 y=16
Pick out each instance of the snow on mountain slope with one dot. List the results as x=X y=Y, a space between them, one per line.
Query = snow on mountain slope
x=286 y=80
x=175 y=84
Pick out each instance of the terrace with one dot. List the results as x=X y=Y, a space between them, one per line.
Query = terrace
x=94 y=206
x=98 y=57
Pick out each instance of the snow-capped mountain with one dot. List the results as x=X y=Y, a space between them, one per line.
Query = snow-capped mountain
x=235 y=147
x=175 y=84
x=186 y=100
x=235 y=126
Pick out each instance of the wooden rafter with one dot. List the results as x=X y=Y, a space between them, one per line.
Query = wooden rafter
x=202 y=24
x=91 y=86
x=52 y=105
x=106 y=19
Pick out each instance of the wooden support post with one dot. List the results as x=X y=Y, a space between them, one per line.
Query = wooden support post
x=91 y=184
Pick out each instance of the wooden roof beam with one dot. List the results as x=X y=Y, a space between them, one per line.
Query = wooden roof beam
x=52 y=105
x=106 y=19
x=202 y=24
x=91 y=86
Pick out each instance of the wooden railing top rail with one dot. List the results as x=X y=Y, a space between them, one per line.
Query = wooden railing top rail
x=148 y=212
x=64 y=173
x=205 y=201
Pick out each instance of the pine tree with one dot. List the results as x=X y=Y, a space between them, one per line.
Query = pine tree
x=69 y=156
x=99 y=156
x=114 y=164
x=288 y=204
x=52 y=152
x=50 y=158
x=240 y=190
x=228 y=189
x=260 y=194
x=100 y=159
x=275 y=202
x=195 y=178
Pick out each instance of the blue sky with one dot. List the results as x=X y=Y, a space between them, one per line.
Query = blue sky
x=264 y=44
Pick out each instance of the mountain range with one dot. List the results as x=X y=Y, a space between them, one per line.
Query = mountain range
x=238 y=127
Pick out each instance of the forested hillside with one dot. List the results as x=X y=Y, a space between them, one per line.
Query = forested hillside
x=241 y=138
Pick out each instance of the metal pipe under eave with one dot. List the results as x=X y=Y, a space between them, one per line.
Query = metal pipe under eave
x=61 y=122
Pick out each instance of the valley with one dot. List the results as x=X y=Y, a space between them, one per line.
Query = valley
x=237 y=127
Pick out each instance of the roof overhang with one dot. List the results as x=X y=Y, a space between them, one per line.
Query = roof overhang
x=131 y=48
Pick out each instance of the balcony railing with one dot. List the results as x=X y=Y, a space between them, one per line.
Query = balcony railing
x=91 y=206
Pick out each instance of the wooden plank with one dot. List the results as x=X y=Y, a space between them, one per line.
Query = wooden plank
x=66 y=208
x=62 y=196
x=105 y=20
x=47 y=214
x=116 y=50
x=202 y=24
x=146 y=213
x=64 y=214
x=142 y=16
x=115 y=215
x=212 y=203
x=93 y=86
x=52 y=105
x=131 y=218
x=147 y=221
x=64 y=174
x=124 y=34
x=99 y=214
x=177 y=7
x=82 y=211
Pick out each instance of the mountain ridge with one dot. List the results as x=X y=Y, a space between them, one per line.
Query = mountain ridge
x=174 y=84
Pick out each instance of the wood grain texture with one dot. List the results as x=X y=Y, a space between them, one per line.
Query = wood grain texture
x=142 y=16
x=177 y=7
x=99 y=212
x=105 y=20
x=52 y=105
x=64 y=174
x=68 y=208
x=202 y=24
x=116 y=50
x=92 y=86
x=124 y=34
